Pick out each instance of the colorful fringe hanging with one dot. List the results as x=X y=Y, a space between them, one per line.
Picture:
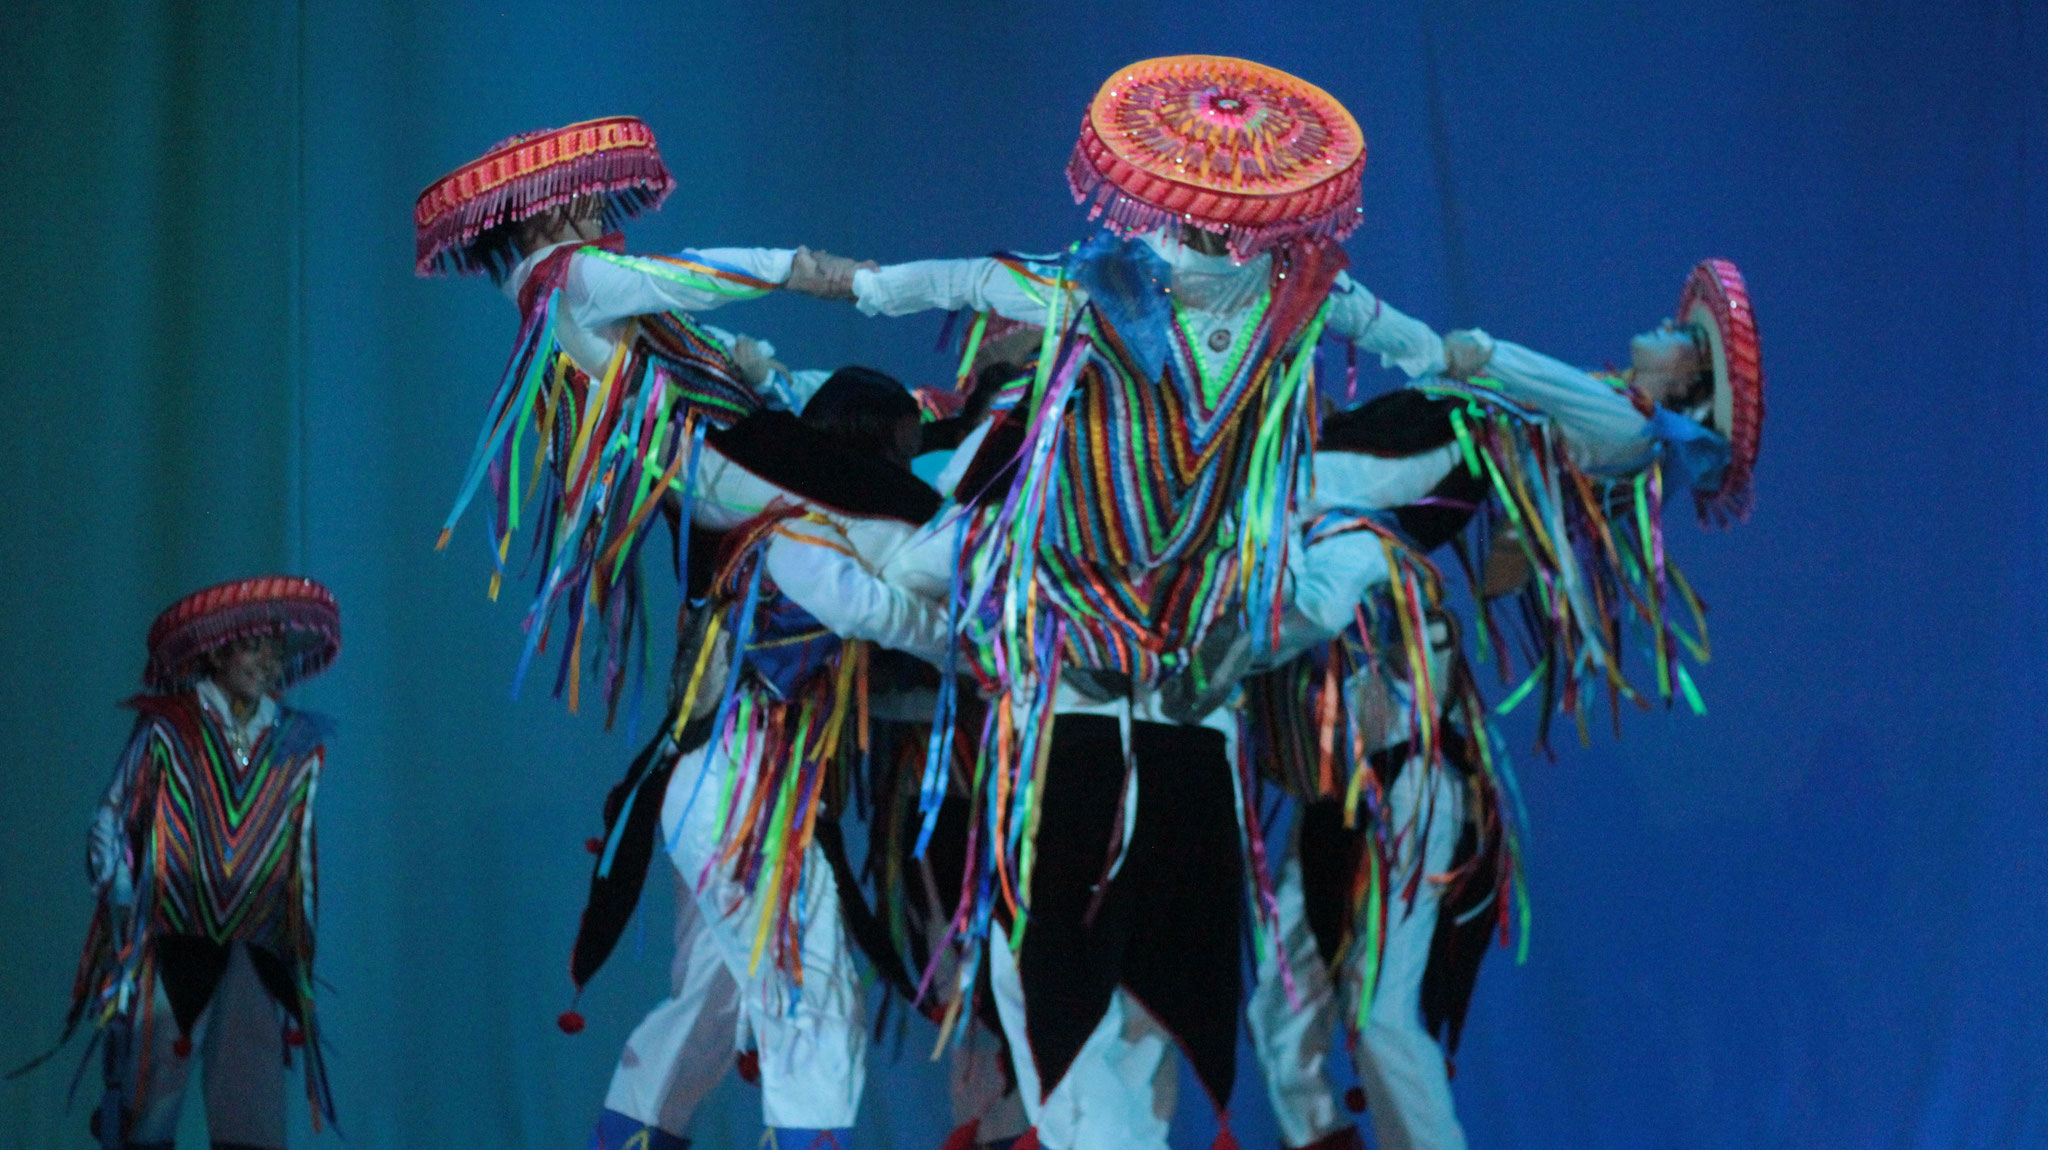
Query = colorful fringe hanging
x=606 y=452
x=1310 y=736
x=1152 y=501
x=1602 y=578
x=225 y=853
x=791 y=730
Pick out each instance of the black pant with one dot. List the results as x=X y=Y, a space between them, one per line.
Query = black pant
x=1168 y=928
x=190 y=968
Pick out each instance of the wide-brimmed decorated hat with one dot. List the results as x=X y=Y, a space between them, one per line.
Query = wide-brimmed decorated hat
x=298 y=609
x=1715 y=303
x=613 y=159
x=1224 y=144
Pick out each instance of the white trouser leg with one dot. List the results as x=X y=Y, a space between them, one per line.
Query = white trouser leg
x=244 y=1072
x=684 y=1046
x=1292 y=1042
x=978 y=1084
x=160 y=1095
x=1407 y=1089
x=978 y=1075
x=1120 y=1091
x=240 y=1039
x=813 y=1043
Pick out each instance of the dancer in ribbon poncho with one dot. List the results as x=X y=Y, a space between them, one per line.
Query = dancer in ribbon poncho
x=743 y=789
x=1115 y=531
x=598 y=426
x=202 y=855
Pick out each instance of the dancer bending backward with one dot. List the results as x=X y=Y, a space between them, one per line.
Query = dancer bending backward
x=1112 y=529
x=1392 y=484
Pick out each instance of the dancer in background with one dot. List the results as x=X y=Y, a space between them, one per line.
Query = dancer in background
x=202 y=855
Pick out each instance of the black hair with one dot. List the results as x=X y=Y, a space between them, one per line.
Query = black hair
x=862 y=408
x=948 y=434
x=1701 y=389
x=498 y=250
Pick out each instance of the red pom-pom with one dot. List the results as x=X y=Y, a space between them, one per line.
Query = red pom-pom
x=182 y=1047
x=749 y=1066
x=963 y=1136
x=594 y=846
x=570 y=1022
x=1027 y=1140
x=1354 y=1100
x=293 y=1036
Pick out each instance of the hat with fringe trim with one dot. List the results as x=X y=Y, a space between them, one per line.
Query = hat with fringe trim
x=1715 y=303
x=292 y=606
x=1224 y=144
x=614 y=159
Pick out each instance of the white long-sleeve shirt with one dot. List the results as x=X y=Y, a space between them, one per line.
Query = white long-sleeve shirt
x=1602 y=429
x=601 y=294
x=604 y=290
x=1213 y=293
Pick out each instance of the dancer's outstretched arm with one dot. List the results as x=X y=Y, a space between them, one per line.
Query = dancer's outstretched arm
x=1015 y=287
x=1602 y=427
x=1362 y=318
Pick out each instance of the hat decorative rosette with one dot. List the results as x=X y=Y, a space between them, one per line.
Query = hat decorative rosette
x=1715 y=303
x=1224 y=144
x=613 y=159
x=300 y=610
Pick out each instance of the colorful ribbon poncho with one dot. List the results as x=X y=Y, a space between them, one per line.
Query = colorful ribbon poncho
x=219 y=850
x=1148 y=501
x=793 y=728
x=1603 y=588
x=600 y=456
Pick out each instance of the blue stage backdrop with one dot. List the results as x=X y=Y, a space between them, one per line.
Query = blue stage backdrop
x=1814 y=917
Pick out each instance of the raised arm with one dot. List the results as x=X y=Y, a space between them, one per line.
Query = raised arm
x=1602 y=428
x=604 y=287
x=1360 y=317
x=1012 y=287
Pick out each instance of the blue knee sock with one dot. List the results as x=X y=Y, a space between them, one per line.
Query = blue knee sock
x=798 y=1138
x=615 y=1131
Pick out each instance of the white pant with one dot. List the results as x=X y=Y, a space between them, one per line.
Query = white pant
x=1120 y=1091
x=239 y=1038
x=683 y=1048
x=811 y=1039
x=975 y=1083
x=1399 y=1064
x=977 y=1078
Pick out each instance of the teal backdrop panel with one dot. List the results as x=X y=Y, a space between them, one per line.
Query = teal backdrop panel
x=1813 y=917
